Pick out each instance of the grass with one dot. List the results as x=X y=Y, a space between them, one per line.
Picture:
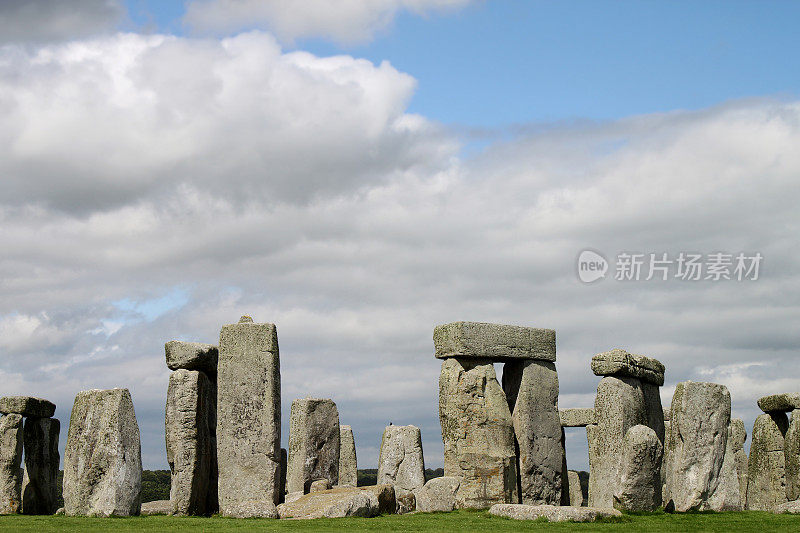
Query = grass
x=480 y=521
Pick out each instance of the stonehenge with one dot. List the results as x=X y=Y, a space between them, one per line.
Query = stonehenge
x=40 y=482
x=401 y=461
x=314 y=444
x=11 y=442
x=348 y=465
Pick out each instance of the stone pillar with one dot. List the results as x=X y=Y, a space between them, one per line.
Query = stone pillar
x=314 y=443
x=11 y=442
x=791 y=452
x=40 y=486
x=103 y=458
x=737 y=436
x=401 y=461
x=348 y=465
x=766 y=471
x=248 y=419
x=639 y=487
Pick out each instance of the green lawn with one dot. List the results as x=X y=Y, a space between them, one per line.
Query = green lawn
x=438 y=522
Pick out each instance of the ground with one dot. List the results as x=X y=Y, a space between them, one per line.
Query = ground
x=439 y=522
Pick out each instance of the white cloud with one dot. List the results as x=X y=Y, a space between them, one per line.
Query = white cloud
x=45 y=20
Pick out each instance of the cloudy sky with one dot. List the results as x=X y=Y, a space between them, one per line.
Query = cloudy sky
x=358 y=172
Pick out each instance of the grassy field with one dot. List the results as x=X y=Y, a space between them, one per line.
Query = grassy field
x=438 y=522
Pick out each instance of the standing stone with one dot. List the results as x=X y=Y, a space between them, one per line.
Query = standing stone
x=248 y=419
x=313 y=443
x=531 y=388
x=400 y=462
x=578 y=488
x=766 y=472
x=282 y=481
x=727 y=496
x=103 y=458
x=639 y=487
x=190 y=422
x=348 y=466
x=477 y=432
x=697 y=445
x=11 y=442
x=654 y=412
x=791 y=452
x=39 y=488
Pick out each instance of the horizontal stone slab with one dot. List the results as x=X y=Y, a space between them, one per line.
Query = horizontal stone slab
x=480 y=340
x=27 y=406
x=192 y=356
x=552 y=513
x=780 y=402
x=577 y=418
x=621 y=363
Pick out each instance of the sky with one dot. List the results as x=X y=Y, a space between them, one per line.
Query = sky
x=359 y=172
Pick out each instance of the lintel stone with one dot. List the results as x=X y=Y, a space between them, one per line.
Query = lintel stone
x=27 y=406
x=471 y=340
x=780 y=402
x=618 y=362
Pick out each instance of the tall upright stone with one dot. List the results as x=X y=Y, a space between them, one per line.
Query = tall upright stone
x=314 y=443
x=103 y=458
x=791 y=452
x=11 y=443
x=766 y=472
x=639 y=487
x=190 y=422
x=401 y=462
x=737 y=436
x=40 y=486
x=348 y=465
x=248 y=419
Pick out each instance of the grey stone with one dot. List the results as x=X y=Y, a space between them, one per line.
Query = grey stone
x=438 y=494
x=348 y=465
x=780 y=402
x=664 y=463
x=192 y=356
x=792 y=507
x=576 y=418
x=27 y=406
x=190 y=423
x=727 y=496
x=578 y=482
x=618 y=362
x=103 y=458
x=654 y=412
x=248 y=419
x=493 y=341
x=293 y=496
x=639 y=487
x=384 y=495
x=477 y=432
x=737 y=435
x=766 y=468
x=791 y=453
x=401 y=462
x=531 y=388
x=319 y=485
x=667 y=414
x=551 y=513
x=158 y=507
x=697 y=445
x=334 y=503
x=11 y=442
x=313 y=443
x=42 y=461
x=407 y=503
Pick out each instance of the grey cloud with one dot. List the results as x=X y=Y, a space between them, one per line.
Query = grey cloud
x=24 y=21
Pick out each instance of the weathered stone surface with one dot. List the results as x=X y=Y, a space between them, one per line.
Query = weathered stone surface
x=551 y=512
x=401 y=462
x=664 y=464
x=618 y=362
x=576 y=418
x=11 y=442
x=653 y=411
x=766 y=469
x=293 y=496
x=792 y=507
x=493 y=341
x=319 y=485
x=438 y=494
x=103 y=458
x=737 y=434
x=531 y=388
x=697 y=444
x=780 y=402
x=667 y=414
x=27 y=406
x=313 y=443
x=791 y=453
x=639 y=487
x=477 y=432
x=578 y=488
x=384 y=495
x=157 y=507
x=727 y=496
x=407 y=503
x=248 y=419
x=337 y=503
x=42 y=461
x=190 y=422
x=192 y=356
x=348 y=465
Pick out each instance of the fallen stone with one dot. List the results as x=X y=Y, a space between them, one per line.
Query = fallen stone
x=791 y=453
x=248 y=419
x=192 y=356
x=618 y=362
x=103 y=458
x=477 y=432
x=576 y=418
x=438 y=494
x=337 y=503
x=493 y=341
x=313 y=443
x=792 y=507
x=319 y=485
x=531 y=388
x=27 y=406
x=42 y=461
x=293 y=496
x=780 y=402
x=384 y=495
x=552 y=513
x=190 y=422
x=11 y=443
x=401 y=462
x=766 y=469
x=639 y=487
x=578 y=488
x=158 y=507
x=407 y=503
x=348 y=466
